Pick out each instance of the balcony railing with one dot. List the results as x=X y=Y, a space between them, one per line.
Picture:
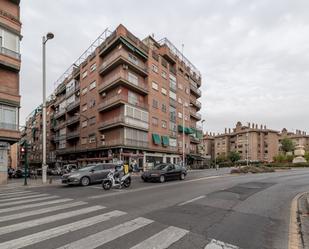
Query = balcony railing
x=73 y=134
x=73 y=105
x=195 y=102
x=125 y=120
x=59 y=113
x=194 y=139
x=121 y=77
x=71 y=91
x=72 y=120
x=194 y=89
x=123 y=54
x=59 y=137
x=59 y=100
x=59 y=126
x=127 y=142
x=8 y=126
x=10 y=53
x=196 y=115
x=110 y=101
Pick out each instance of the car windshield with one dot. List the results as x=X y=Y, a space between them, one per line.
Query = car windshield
x=161 y=166
x=88 y=168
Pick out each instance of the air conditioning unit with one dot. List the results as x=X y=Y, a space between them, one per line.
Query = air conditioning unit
x=125 y=67
x=103 y=94
x=103 y=137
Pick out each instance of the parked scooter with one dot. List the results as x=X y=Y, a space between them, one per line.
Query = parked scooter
x=112 y=180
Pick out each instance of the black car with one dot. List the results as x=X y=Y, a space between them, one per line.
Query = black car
x=165 y=171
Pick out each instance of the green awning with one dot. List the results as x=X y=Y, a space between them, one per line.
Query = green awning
x=165 y=141
x=190 y=131
x=180 y=128
x=156 y=139
x=134 y=49
x=199 y=134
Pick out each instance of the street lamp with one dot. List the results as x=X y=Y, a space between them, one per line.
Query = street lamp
x=48 y=36
x=203 y=126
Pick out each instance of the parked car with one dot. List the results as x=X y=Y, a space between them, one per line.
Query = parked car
x=92 y=173
x=164 y=172
x=67 y=168
x=19 y=173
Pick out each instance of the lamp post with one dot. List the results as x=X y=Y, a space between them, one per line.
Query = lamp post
x=48 y=36
x=203 y=126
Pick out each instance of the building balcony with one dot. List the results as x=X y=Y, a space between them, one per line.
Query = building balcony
x=167 y=54
x=195 y=90
x=124 y=142
x=123 y=121
x=9 y=59
x=109 y=103
x=72 y=120
x=72 y=91
x=9 y=132
x=60 y=89
x=59 y=126
x=120 y=79
x=194 y=140
x=59 y=99
x=73 y=106
x=59 y=114
x=57 y=138
x=72 y=135
x=196 y=103
x=173 y=102
x=195 y=115
x=122 y=57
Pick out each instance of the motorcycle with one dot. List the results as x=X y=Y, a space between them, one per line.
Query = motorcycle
x=110 y=181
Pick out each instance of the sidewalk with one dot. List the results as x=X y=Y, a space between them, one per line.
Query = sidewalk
x=303 y=218
x=31 y=182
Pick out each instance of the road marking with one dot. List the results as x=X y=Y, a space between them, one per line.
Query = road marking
x=16 y=193
x=216 y=244
x=57 y=231
x=40 y=211
x=153 y=187
x=3 y=210
x=96 y=187
x=163 y=239
x=22 y=197
x=101 y=238
x=27 y=201
x=48 y=219
x=192 y=200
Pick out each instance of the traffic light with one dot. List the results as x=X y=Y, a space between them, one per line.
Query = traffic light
x=23 y=151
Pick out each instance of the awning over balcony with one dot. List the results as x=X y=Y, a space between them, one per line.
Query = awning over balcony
x=165 y=141
x=187 y=130
x=130 y=46
x=156 y=138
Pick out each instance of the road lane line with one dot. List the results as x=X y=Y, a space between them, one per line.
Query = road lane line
x=3 y=210
x=192 y=200
x=27 y=201
x=101 y=238
x=22 y=197
x=16 y=193
x=153 y=187
x=48 y=219
x=41 y=211
x=163 y=239
x=217 y=244
x=57 y=231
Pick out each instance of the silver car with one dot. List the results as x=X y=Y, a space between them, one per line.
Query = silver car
x=92 y=173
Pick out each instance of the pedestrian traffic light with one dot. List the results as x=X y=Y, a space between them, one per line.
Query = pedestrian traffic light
x=23 y=151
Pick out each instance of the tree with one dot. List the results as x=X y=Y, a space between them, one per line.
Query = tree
x=221 y=158
x=287 y=145
x=233 y=156
x=307 y=156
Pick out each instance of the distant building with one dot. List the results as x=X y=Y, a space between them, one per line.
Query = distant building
x=252 y=142
x=208 y=145
x=10 y=36
x=299 y=137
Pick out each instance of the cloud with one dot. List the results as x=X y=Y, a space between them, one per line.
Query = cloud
x=253 y=55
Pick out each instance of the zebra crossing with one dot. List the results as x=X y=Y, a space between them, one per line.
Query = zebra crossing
x=34 y=220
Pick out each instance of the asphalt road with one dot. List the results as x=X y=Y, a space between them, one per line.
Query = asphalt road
x=210 y=209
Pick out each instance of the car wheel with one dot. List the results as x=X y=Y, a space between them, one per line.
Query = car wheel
x=182 y=176
x=162 y=178
x=85 y=181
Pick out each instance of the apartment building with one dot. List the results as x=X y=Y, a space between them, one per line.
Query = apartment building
x=126 y=99
x=251 y=141
x=298 y=137
x=10 y=36
x=208 y=145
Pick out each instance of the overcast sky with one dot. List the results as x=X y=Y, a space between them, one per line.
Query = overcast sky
x=253 y=55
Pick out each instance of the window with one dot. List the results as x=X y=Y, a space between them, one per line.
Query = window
x=172 y=114
x=173 y=96
x=179 y=115
x=84 y=91
x=84 y=107
x=92 y=139
x=180 y=86
x=70 y=100
x=92 y=121
x=179 y=100
x=155 y=86
x=164 y=75
x=84 y=123
x=164 y=91
x=154 y=68
x=84 y=75
x=93 y=67
x=154 y=103
x=91 y=103
x=136 y=113
x=136 y=136
x=8 y=117
x=187 y=90
x=173 y=142
x=155 y=121
x=173 y=84
x=83 y=140
x=163 y=107
x=164 y=124
x=186 y=117
x=62 y=144
x=92 y=85
x=133 y=98
x=9 y=40
x=133 y=59
x=132 y=78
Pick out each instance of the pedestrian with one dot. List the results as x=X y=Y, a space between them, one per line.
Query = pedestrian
x=10 y=172
x=217 y=166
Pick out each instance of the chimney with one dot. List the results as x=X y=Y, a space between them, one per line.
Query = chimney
x=229 y=130
x=264 y=127
x=261 y=127
x=249 y=125
x=225 y=130
x=256 y=126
